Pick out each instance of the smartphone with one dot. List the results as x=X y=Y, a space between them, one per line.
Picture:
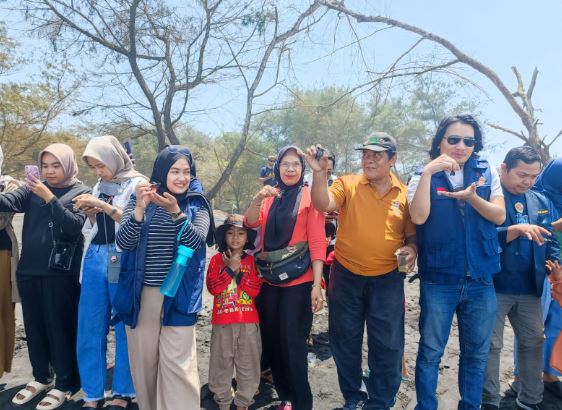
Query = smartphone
x=128 y=148
x=319 y=153
x=31 y=171
x=154 y=185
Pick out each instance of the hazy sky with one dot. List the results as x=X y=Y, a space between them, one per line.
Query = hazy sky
x=498 y=33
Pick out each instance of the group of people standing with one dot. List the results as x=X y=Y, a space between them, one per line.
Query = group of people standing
x=485 y=247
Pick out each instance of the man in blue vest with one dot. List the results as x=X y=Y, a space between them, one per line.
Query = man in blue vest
x=526 y=245
x=456 y=201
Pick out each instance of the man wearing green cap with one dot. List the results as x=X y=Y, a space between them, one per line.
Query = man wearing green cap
x=365 y=284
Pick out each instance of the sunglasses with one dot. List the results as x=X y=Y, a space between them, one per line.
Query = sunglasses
x=455 y=139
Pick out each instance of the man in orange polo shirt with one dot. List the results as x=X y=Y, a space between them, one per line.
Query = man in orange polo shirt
x=365 y=284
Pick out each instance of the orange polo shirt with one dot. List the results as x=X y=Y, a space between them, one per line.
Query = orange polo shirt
x=371 y=227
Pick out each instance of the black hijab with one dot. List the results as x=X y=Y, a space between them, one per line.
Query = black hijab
x=164 y=161
x=283 y=212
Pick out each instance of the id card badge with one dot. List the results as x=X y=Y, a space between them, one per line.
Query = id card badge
x=113 y=265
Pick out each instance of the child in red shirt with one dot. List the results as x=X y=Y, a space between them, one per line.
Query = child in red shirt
x=235 y=340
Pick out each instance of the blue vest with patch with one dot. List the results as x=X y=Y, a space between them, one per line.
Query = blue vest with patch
x=452 y=246
x=182 y=309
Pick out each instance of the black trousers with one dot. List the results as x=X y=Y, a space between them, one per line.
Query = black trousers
x=286 y=324
x=50 y=314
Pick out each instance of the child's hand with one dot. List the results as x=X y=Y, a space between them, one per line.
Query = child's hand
x=231 y=260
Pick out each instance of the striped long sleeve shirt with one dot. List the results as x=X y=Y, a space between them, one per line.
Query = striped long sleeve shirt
x=162 y=233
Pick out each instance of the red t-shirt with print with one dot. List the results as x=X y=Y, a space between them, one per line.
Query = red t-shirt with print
x=234 y=302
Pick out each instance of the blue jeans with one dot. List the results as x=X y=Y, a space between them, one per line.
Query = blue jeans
x=94 y=313
x=474 y=302
x=378 y=301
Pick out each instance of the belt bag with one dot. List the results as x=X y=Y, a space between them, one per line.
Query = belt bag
x=284 y=265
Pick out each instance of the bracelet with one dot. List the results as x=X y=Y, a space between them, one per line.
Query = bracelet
x=317 y=285
x=113 y=211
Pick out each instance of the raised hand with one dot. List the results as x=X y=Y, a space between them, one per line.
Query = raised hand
x=531 y=232
x=315 y=163
x=265 y=192
x=166 y=201
x=144 y=193
x=87 y=201
x=463 y=195
x=40 y=189
x=442 y=163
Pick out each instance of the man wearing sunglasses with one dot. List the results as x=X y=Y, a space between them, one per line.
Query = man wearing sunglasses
x=456 y=201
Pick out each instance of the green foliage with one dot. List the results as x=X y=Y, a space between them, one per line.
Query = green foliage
x=413 y=118
x=243 y=182
x=27 y=110
x=332 y=117
x=318 y=116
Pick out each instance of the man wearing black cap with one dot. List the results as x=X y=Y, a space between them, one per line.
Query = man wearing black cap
x=365 y=284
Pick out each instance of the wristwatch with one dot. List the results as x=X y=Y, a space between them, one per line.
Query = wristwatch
x=176 y=215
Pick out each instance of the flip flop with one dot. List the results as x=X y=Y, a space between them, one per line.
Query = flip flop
x=29 y=395
x=53 y=400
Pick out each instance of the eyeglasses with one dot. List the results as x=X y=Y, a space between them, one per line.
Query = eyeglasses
x=287 y=165
x=455 y=139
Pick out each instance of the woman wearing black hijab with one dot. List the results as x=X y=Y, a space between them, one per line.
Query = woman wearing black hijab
x=289 y=221
x=167 y=212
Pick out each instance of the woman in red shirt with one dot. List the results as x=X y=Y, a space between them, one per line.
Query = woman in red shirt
x=287 y=218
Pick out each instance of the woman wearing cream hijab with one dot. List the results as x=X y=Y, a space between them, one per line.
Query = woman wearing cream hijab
x=100 y=272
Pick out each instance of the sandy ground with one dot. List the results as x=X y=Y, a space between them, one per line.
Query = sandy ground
x=322 y=371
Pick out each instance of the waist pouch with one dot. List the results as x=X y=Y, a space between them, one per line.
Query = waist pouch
x=284 y=265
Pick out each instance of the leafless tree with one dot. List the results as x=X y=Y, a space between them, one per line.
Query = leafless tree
x=147 y=57
x=520 y=100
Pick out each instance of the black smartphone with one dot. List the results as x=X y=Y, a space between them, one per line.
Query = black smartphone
x=319 y=153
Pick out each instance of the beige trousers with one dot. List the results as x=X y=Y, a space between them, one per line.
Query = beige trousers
x=163 y=359
x=235 y=346
x=7 y=317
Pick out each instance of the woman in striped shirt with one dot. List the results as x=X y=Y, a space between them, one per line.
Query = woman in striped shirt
x=161 y=332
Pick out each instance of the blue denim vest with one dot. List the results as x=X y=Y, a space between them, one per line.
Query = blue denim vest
x=451 y=246
x=549 y=251
x=180 y=310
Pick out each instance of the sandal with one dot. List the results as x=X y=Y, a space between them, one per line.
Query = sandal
x=116 y=407
x=99 y=405
x=267 y=376
x=29 y=394
x=53 y=400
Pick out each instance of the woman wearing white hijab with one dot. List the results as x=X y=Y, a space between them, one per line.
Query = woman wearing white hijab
x=47 y=274
x=9 y=255
x=100 y=272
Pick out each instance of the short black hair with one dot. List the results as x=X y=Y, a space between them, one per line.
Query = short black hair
x=525 y=153
x=467 y=119
x=332 y=157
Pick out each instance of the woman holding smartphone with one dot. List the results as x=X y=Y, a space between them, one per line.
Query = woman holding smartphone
x=47 y=273
x=100 y=272
x=161 y=329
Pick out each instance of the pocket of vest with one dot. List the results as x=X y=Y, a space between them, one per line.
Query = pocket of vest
x=490 y=243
